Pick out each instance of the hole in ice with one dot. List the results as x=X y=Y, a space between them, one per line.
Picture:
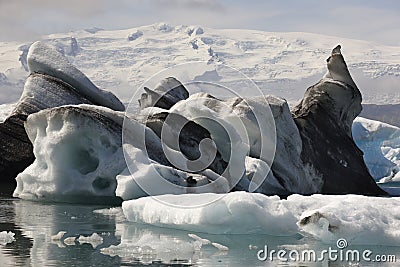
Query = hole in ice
x=57 y=123
x=101 y=183
x=105 y=141
x=84 y=162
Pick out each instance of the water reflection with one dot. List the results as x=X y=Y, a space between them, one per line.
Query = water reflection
x=127 y=244
x=35 y=223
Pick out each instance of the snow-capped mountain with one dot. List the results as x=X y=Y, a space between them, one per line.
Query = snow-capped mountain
x=282 y=64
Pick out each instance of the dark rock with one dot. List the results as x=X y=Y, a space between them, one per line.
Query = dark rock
x=324 y=118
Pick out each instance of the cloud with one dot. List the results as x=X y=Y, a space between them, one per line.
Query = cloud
x=211 y=5
x=361 y=19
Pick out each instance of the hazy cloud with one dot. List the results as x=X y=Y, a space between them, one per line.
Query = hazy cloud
x=212 y=5
x=361 y=19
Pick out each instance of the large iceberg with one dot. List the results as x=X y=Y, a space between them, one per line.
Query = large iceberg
x=324 y=118
x=179 y=143
x=77 y=152
x=53 y=82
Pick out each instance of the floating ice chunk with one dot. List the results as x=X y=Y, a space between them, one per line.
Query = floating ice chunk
x=95 y=240
x=252 y=247
x=220 y=247
x=361 y=219
x=233 y=213
x=203 y=241
x=43 y=59
x=148 y=247
x=70 y=241
x=58 y=236
x=110 y=211
x=6 y=237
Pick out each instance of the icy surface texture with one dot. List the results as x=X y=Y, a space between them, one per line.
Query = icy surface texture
x=380 y=143
x=78 y=154
x=361 y=219
x=324 y=118
x=42 y=59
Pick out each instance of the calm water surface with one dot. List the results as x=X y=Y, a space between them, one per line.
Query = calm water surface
x=35 y=223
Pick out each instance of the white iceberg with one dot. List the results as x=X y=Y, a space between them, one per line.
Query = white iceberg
x=380 y=143
x=144 y=178
x=360 y=219
x=77 y=152
x=233 y=213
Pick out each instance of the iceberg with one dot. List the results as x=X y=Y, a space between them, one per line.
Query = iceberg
x=361 y=219
x=186 y=144
x=77 y=152
x=42 y=59
x=380 y=143
x=324 y=118
x=53 y=82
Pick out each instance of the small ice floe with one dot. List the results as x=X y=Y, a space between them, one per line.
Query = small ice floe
x=129 y=250
x=95 y=240
x=203 y=241
x=70 y=241
x=6 y=237
x=220 y=247
x=58 y=236
x=110 y=211
x=252 y=247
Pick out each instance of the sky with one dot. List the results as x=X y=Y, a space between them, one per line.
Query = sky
x=377 y=21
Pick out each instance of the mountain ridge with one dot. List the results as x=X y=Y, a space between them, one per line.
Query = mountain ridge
x=281 y=64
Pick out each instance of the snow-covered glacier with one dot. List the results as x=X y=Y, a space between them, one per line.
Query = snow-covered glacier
x=282 y=64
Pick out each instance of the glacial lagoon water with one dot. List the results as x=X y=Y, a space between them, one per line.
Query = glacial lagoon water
x=34 y=224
